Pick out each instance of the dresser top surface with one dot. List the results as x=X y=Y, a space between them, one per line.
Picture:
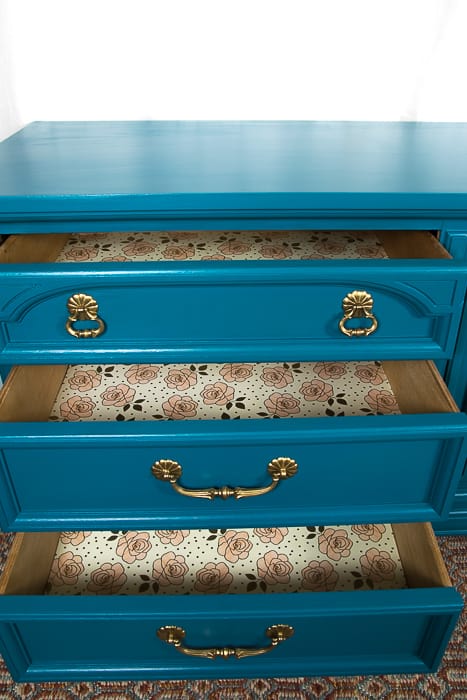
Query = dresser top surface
x=176 y=165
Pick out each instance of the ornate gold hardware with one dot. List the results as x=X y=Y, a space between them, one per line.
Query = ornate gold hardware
x=175 y=636
x=358 y=304
x=278 y=469
x=83 y=307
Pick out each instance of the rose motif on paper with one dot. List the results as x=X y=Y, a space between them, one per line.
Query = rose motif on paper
x=219 y=256
x=181 y=379
x=141 y=374
x=74 y=538
x=277 y=377
x=271 y=535
x=77 y=408
x=81 y=254
x=178 y=252
x=382 y=401
x=378 y=565
x=119 y=395
x=218 y=393
x=369 y=533
x=107 y=579
x=173 y=537
x=234 y=545
x=213 y=578
x=330 y=370
x=138 y=249
x=282 y=405
x=274 y=252
x=335 y=544
x=232 y=248
x=274 y=568
x=371 y=373
x=330 y=248
x=180 y=407
x=170 y=569
x=115 y=258
x=236 y=372
x=84 y=380
x=133 y=546
x=316 y=390
x=66 y=569
x=319 y=576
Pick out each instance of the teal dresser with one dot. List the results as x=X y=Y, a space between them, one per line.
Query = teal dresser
x=156 y=276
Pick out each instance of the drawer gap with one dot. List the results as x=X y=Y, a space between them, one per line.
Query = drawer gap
x=31 y=557
x=189 y=246
x=418 y=389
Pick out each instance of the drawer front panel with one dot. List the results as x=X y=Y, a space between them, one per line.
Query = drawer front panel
x=334 y=633
x=353 y=469
x=231 y=311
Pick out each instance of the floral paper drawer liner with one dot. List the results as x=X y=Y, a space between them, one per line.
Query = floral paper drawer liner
x=223 y=391
x=260 y=560
x=220 y=245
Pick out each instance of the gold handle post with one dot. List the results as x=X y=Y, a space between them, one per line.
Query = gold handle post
x=278 y=469
x=175 y=636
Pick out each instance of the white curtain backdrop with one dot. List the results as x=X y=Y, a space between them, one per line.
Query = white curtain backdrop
x=243 y=59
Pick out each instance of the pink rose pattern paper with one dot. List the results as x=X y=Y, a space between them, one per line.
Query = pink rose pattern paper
x=223 y=391
x=259 y=560
x=220 y=245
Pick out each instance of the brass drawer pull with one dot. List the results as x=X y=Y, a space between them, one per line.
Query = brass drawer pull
x=358 y=304
x=83 y=307
x=278 y=469
x=175 y=636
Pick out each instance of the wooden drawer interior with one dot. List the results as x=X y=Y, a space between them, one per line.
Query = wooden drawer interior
x=31 y=557
x=45 y=248
x=417 y=386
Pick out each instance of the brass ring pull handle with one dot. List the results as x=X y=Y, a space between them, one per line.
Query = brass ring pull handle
x=278 y=469
x=175 y=636
x=358 y=304
x=83 y=307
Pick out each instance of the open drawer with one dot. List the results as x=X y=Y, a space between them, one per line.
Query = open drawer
x=318 y=630
x=344 y=449
x=391 y=295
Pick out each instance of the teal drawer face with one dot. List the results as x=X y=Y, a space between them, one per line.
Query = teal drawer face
x=71 y=637
x=231 y=310
x=120 y=471
x=356 y=469
x=364 y=632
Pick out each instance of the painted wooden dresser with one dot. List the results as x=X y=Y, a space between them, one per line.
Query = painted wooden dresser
x=394 y=318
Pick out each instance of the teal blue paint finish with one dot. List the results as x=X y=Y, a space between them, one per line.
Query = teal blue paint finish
x=105 y=637
x=231 y=311
x=224 y=221
x=454 y=238
x=70 y=169
x=357 y=469
x=455 y=241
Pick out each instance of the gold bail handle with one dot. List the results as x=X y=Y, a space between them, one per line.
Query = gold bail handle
x=358 y=304
x=278 y=469
x=175 y=635
x=83 y=307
